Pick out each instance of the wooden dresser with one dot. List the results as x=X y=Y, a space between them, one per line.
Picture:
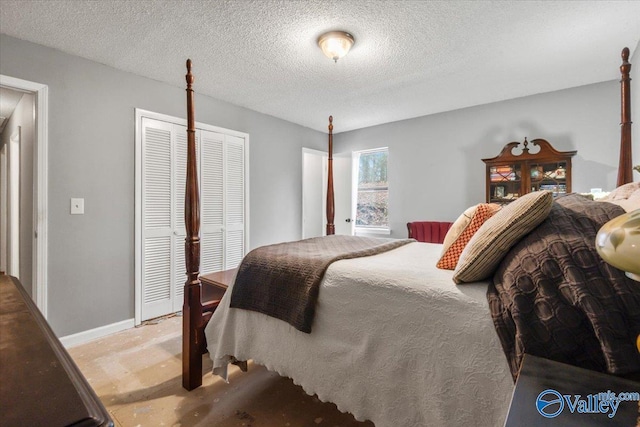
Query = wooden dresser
x=40 y=385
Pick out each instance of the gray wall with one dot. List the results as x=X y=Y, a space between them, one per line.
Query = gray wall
x=435 y=166
x=91 y=155
x=22 y=118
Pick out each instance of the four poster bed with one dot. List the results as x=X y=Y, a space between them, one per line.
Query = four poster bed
x=394 y=340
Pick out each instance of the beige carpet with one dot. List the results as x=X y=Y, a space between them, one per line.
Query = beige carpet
x=137 y=375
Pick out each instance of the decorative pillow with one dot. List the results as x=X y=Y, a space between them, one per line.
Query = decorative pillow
x=629 y=204
x=627 y=196
x=458 y=227
x=462 y=231
x=499 y=233
x=623 y=192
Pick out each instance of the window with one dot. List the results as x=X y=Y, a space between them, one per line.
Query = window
x=372 y=198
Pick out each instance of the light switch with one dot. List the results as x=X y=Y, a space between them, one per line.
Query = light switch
x=77 y=206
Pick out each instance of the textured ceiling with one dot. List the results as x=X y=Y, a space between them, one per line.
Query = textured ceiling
x=411 y=58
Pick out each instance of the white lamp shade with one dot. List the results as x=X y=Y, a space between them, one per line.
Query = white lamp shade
x=335 y=44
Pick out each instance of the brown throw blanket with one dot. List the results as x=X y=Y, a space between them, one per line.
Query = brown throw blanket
x=283 y=280
x=553 y=296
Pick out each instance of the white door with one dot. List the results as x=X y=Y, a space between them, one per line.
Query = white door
x=3 y=208
x=13 y=267
x=314 y=192
x=164 y=171
x=342 y=187
x=234 y=201
x=222 y=201
x=158 y=211
x=211 y=203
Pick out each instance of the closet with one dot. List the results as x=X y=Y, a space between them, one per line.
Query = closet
x=222 y=157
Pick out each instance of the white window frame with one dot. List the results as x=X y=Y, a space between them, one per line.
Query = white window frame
x=360 y=230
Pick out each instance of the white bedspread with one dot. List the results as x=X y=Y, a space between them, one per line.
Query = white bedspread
x=394 y=341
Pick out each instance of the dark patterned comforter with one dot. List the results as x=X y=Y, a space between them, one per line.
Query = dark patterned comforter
x=553 y=296
x=283 y=280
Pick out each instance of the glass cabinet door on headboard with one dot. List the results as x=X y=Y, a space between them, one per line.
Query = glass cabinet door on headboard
x=523 y=167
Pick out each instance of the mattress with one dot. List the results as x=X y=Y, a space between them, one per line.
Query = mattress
x=394 y=341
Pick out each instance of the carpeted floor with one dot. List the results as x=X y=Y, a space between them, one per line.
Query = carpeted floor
x=137 y=375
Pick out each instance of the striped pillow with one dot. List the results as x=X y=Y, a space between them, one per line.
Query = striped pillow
x=462 y=231
x=499 y=233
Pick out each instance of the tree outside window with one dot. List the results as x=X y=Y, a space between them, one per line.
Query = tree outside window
x=373 y=189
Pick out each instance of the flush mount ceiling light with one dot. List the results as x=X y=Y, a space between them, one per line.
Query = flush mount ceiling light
x=335 y=44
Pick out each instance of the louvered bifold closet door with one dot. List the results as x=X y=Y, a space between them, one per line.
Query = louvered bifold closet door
x=234 y=227
x=212 y=201
x=220 y=159
x=157 y=227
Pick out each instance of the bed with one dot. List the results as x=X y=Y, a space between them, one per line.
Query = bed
x=431 y=358
x=392 y=363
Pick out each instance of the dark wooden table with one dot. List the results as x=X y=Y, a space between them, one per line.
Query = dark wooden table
x=542 y=380
x=215 y=284
x=40 y=385
x=220 y=278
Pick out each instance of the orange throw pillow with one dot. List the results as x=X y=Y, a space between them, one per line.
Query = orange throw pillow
x=451 y=254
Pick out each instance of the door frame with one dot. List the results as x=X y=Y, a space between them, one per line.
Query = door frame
x=346 y=156
x=39 y=287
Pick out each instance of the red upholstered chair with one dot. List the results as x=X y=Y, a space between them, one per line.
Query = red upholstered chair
x=428 y=231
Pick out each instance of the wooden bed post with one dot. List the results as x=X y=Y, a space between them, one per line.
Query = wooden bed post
x=625 y=170
x=331 y=228
x=192 y=332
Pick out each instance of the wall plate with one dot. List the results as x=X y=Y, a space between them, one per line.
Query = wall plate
x=77 y=206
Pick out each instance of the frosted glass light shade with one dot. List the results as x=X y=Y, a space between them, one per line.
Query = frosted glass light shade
x=335 y=44
x=618 y=243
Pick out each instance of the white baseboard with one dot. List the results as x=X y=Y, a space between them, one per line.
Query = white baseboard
x=93 y=334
